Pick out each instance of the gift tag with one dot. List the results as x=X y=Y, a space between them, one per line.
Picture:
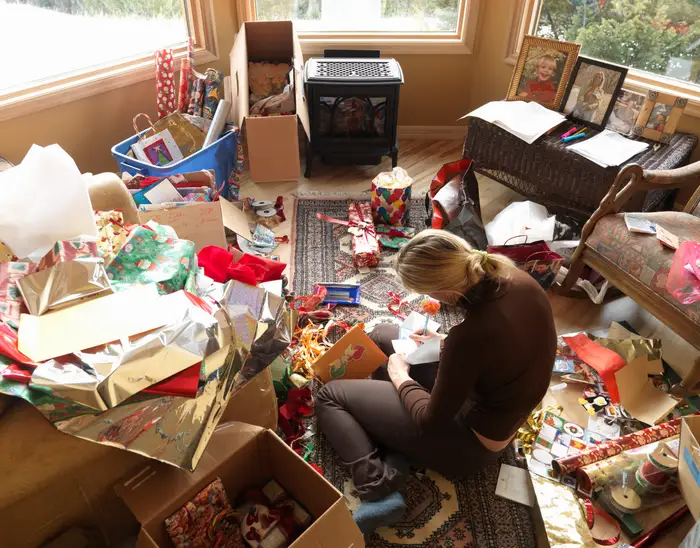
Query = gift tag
x=667 y=238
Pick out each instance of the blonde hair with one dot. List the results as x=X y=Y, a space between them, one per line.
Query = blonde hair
x=437 y=260
x=547 y=57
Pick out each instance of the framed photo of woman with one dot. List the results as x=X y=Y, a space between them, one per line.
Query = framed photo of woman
x=542 y=71
x=592 y=92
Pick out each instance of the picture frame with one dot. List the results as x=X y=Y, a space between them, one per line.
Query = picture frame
x=592 y=91
x=542 y=72
x=626 y=111
x=659 y=116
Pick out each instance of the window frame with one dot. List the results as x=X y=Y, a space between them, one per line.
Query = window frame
x=84 y=83
x=525 y=20
x=459 y=42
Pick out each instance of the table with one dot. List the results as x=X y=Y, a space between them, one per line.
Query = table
x=563 y=181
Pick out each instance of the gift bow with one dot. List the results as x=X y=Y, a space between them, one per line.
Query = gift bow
x=356 y=228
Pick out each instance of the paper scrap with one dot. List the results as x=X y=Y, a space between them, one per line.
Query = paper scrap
x=163 y=192
x=515 y=484
x=428 y=352
x=45 y=200
x=92 y=323
x=639 y=397
x=416 y=322
x=667 y=238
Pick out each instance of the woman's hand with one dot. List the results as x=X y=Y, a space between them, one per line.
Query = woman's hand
x=398 y=369
x=422 y=337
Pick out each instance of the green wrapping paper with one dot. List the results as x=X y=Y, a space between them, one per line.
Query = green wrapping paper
x=153 y=255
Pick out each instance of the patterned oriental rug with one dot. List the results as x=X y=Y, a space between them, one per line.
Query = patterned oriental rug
x=442 y=512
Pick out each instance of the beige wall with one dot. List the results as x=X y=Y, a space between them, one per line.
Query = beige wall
x=438 y=90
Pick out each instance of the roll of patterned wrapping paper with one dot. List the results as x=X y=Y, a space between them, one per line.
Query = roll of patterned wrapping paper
x=600 y=474
x=213 y=92
x=165 y=82
x=185 y=89
x=611 y=448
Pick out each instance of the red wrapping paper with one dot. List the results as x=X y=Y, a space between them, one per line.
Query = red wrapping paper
x=183 y=384
x=611 y=448
x=603 y=360
x=68 y=251
x=165 y=82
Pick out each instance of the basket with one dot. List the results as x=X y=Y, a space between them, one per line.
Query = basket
x=219 y=156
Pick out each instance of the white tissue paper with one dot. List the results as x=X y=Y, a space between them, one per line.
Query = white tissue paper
x=44 y=200
x=528 y=220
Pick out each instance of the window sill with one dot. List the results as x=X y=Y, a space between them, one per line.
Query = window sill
x=85 y=84
x=388 y=46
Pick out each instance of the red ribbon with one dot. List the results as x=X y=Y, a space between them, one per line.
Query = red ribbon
x=366 y=230
x=395 y=305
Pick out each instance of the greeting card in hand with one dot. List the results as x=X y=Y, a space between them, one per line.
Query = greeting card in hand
x=355 y=356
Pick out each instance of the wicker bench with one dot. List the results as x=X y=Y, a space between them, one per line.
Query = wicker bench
x=563 y=181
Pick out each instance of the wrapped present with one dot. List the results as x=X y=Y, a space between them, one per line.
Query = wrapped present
x=64 y=284
x=391 y=196
x=11 y=303
x=365 y=243
x=206 y=521
x=394 y=237
x=112 y=234
x=68 y=251
x=152 y=255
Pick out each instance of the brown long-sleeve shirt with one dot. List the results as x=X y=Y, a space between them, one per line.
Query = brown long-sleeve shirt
x=495 y=366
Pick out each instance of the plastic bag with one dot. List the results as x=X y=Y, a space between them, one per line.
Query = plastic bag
x=518 y=219
x=684 y=278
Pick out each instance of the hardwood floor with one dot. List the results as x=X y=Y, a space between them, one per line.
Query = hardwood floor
x=422 y=159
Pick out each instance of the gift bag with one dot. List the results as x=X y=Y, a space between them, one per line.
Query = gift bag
x=449 y=206
x=684 y=278
x=187 y=136
x=391 y=195
x=536 y=259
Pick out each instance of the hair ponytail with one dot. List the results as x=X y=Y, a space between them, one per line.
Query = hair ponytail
x=437 y=260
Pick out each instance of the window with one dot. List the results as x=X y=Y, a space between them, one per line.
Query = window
x=661 y=37
x=403 y=26
x=55 y=51
x=364 y=15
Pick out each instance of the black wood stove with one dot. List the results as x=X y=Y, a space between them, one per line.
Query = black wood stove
x=353 y=108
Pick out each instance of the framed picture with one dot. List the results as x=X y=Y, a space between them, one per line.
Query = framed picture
x=626 y=111
x=659 y=116
x=592 y=91
x=542 y=71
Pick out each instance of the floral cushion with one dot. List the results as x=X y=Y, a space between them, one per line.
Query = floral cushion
x=641 y=255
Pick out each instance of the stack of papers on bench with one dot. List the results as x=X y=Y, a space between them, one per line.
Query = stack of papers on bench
x=608 y=148
x=527 y=121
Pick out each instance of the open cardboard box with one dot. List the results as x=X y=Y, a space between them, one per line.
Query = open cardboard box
x=242 y=456
x=272 y=141
x=689 y=463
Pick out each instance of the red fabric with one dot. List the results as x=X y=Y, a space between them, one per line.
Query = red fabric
x=215 y=261
x=242 y=273
x=14 y=372
x=266 y=270
x=183 y=384
x=603 y=360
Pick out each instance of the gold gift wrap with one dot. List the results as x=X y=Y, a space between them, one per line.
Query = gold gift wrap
x=631 y=349
x=528 y=432
x=234 y=339
x=562 y=514
x=64 y=284
x=188 y=137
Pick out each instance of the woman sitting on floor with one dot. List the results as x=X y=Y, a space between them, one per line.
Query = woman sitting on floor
x=458 y=415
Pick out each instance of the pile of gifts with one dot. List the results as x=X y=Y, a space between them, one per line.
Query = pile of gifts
x=389 y=208
x=113 y=331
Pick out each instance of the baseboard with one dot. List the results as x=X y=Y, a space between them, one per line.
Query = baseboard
x=433 y=132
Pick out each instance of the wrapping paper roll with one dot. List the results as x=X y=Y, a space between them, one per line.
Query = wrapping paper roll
x=615 y=447
x=602 y=473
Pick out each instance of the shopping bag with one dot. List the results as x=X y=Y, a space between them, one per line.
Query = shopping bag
x=449 y=206
x=535 y=258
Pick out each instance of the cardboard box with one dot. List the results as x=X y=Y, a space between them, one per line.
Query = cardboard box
x=242 y=456
x=64 y=481
x=689 y=464
x=202 y=222
x=272 y=141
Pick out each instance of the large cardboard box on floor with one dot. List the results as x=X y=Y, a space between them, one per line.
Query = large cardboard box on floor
x=272 y=141
x=689 y=464
x=60 y=481
x=242 y=456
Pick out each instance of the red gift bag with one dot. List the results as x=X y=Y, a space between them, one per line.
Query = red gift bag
x=536 y=259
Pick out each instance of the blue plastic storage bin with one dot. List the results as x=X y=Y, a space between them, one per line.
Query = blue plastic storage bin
x=219 y=156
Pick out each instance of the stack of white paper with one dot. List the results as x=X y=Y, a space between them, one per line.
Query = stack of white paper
x=608 y=148
x=527 y=121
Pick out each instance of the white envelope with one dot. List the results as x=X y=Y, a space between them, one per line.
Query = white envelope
x=428 y=352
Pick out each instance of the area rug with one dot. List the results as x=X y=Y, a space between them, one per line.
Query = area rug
x=442 y=512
